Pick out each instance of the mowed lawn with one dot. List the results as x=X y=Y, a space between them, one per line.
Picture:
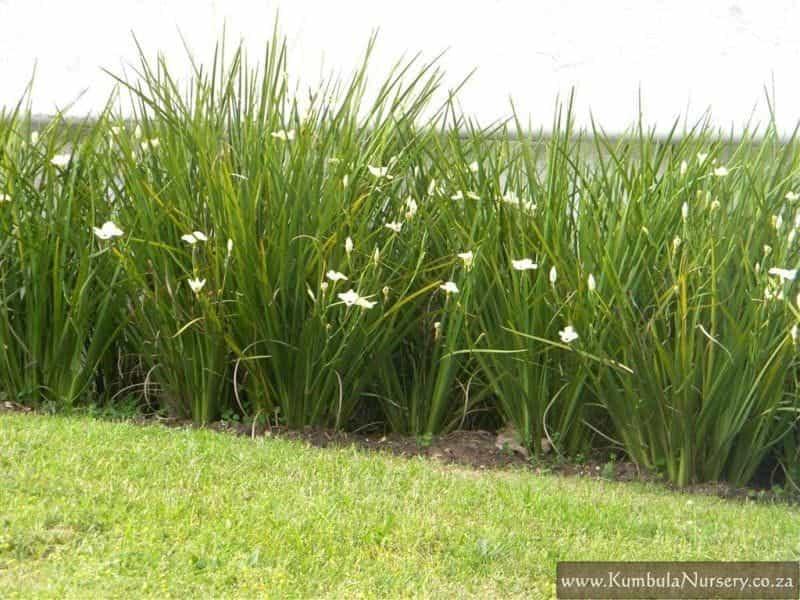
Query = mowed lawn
x=93 y=509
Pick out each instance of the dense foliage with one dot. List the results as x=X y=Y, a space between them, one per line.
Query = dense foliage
x=343 y=258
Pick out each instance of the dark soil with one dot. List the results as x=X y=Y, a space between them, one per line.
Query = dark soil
x=480 y=450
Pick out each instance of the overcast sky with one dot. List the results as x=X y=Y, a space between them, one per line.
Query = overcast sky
x=684 y=56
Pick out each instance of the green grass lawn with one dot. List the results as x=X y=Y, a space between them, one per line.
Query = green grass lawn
x=99 y=509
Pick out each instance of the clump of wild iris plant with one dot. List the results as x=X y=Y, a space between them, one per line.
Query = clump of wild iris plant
x=333 y=259
x=61 y=293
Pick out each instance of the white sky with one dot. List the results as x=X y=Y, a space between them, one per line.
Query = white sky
x=685 y=56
